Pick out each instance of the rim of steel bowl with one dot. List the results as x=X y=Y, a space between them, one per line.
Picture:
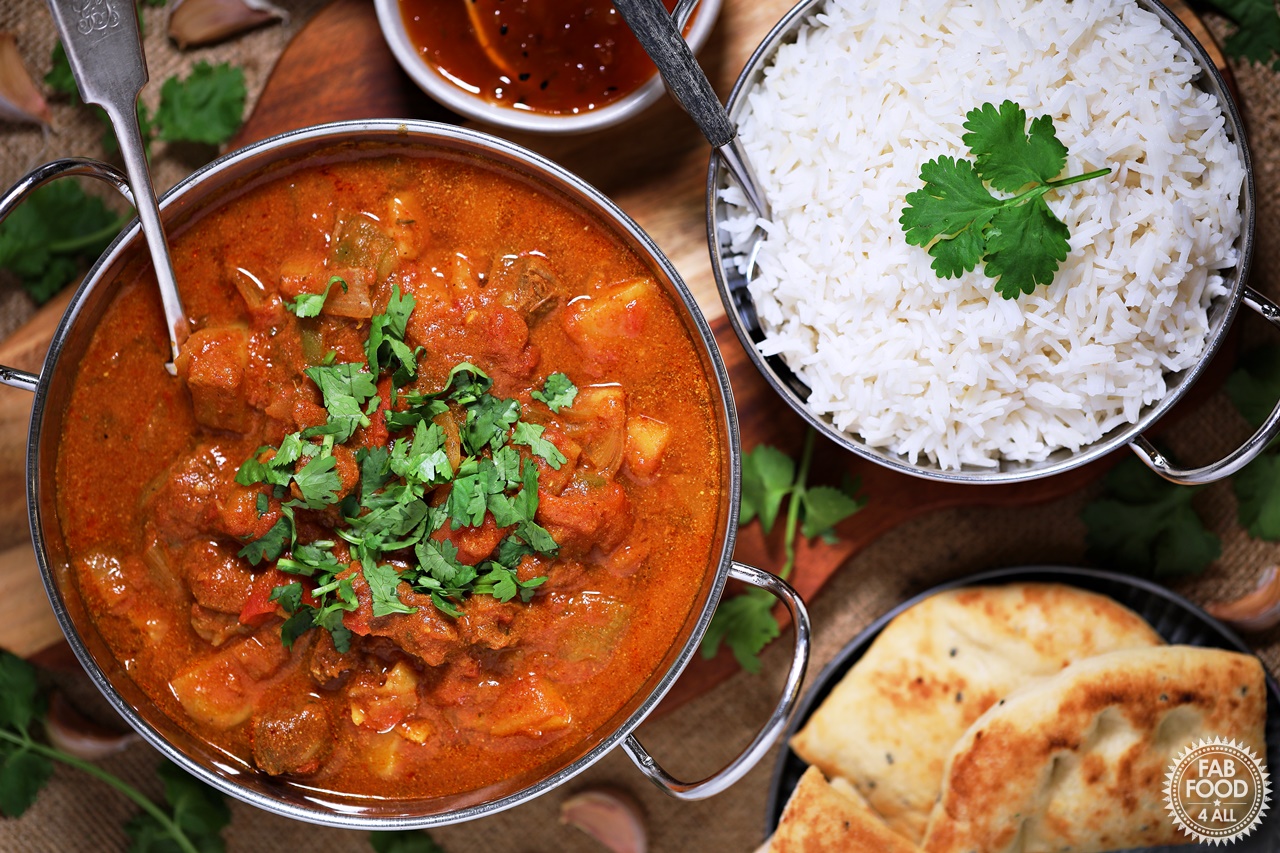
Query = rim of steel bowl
x=240 y=170
x=738 y=304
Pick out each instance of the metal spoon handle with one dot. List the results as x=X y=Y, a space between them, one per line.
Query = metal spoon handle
x=104 y=50
x=659 y=33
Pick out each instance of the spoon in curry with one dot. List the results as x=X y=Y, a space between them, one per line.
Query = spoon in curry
x=659 y=33
x=104 y=49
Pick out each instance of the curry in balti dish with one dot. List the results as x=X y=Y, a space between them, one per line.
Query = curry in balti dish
x=432 y=496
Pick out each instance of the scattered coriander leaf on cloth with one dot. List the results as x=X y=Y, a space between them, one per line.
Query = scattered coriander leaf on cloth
x=1257 y=35
x=20 y=700
x=1254 y=386
x=197 y=810
x=1257 y=490
x=404 y=841
x=767 y=475
x=957 y=219
x=824 y=508
x=1144 y=524
x=23 y=774
x=56 y=231
x=205 y=107
x=745 y=623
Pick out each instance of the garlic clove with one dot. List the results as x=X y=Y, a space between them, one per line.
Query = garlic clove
x=1258 y=610
x=72 y=732
x=20 y=99
x=610 y=816
x=197 y=22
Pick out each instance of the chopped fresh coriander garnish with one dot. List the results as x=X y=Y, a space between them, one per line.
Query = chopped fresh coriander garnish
x=395 y=532
x=1019 y=238
x=557 y=392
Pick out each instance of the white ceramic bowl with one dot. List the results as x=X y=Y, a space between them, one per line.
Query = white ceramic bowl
x=461 y=101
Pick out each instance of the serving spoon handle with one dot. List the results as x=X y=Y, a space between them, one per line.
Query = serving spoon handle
x=104 y=50
x=659 y=34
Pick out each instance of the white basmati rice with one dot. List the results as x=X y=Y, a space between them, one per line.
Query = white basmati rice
x=946 y=369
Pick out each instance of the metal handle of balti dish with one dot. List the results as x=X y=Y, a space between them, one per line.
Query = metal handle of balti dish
x=778 y=720
x=28 y=184
x=1242 y=455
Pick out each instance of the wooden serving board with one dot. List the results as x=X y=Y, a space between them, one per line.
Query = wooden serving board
x=654 y=167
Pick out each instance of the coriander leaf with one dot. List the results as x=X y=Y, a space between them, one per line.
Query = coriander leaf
x=824 y=508
x=498 y=581
x=1257 y=35
x=20 y=700
x=1257 y=488
x=55 y=231
x=538 y=538
x=960 y=223
x=767 y=475
x=60 y=77
x=1006 y=155
x=506 y=463
x=319 y=482
x=404 y=841
x=423 y=459
x=310 y=304
x=388 y=326
x=489 y=420
x=557 y=392
x=440 y=560
x=23 y=774
x=270 y=545
x=199 y=811
x=467 y=502
x=288 y=596
x=1146 y=525
x=205 y=107
x=953 y=199
x=1254 y=386
x=465 y=384
x=375 y=469
x=745 y=623
x=296 y=625
x=530 y=435
x=1024 y=248
x=346 y=388
x=383 y=580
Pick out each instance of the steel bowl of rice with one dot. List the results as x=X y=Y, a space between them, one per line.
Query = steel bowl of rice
x=839 y=110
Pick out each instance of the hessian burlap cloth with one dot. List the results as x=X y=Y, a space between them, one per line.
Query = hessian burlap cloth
x=75 y=813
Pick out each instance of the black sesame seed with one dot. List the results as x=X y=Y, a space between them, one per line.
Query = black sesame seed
x=888 y=756
x=959 y=697
x=523 y=76
x=954 y=652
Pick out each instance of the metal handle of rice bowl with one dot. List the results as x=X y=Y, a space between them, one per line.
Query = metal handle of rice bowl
x=1242 y=455
x=764 y=739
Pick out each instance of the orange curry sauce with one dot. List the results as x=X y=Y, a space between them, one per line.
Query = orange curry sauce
x=546 y=56
x=505 y=276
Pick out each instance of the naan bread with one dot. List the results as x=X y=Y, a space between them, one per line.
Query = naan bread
x=1077 y=762
x=832 y=818
x=890 y=724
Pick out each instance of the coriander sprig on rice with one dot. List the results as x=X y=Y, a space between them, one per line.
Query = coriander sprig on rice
x=962 y=223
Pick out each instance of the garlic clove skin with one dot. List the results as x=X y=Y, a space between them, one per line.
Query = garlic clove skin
x=197 y=22
x=1258 y=610
x=20 y=99
x=610 y=816
x=73 y=733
